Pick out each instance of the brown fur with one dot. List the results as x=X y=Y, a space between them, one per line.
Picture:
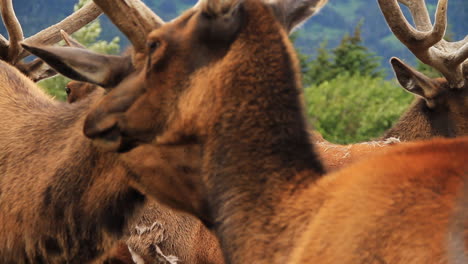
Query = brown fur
x=458 y=228
x=119 y=254
x=159 y=234
x=397 y=213
x=62 y=199
x=179 y=235
x=262 y=185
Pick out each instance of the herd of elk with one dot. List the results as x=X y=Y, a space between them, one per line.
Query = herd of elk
x=57 y=224
x=262 y=188
x=234 y=110
x=79 y=204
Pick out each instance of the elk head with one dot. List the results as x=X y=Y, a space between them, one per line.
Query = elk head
x=77 y=90
x=443 y=102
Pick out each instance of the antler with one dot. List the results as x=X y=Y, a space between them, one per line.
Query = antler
x=70 y=24
x=133 y=18
x=13 y=27
x=12 y=51
x=426 y=40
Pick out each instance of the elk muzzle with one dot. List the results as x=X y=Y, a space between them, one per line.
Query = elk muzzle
x=105 y=124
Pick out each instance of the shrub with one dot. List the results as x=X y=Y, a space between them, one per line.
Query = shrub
x=356 y=108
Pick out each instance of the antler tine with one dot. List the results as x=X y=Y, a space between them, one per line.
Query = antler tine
x=71 y=42
x=413 y=38
x=133 y=18
x=3 y=42
x=461 y=55
x=70 y=24
x=15 y=32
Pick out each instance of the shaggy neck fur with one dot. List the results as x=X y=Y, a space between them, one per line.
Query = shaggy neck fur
x=258 y=154
x=61 y=199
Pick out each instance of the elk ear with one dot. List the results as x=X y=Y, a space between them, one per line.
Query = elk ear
x=221 y=19
x=84 y=65
x=414 y=81
x=292 y=13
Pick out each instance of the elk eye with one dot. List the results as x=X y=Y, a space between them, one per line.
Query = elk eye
x=67 y=90
x=153 y=46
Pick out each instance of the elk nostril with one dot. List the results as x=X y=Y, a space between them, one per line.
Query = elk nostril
x=109 y=139
x=112 y=134
x=106 y=128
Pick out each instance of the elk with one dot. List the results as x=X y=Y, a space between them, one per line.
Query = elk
x=442 y=104
x=229 y=81
x=77 y=206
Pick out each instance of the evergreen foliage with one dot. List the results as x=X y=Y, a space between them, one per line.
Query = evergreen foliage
x=350 y=57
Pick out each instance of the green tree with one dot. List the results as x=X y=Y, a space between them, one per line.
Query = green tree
x=353 y=57
x=88 y=36
x=321 y=69
x=350 y=57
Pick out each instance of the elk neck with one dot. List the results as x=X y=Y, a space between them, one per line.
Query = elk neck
x=420 y=122
x=257 y=152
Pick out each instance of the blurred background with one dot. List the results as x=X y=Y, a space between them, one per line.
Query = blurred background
x=344 y=50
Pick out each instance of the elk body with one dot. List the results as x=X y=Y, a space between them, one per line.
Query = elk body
x=262 y=187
